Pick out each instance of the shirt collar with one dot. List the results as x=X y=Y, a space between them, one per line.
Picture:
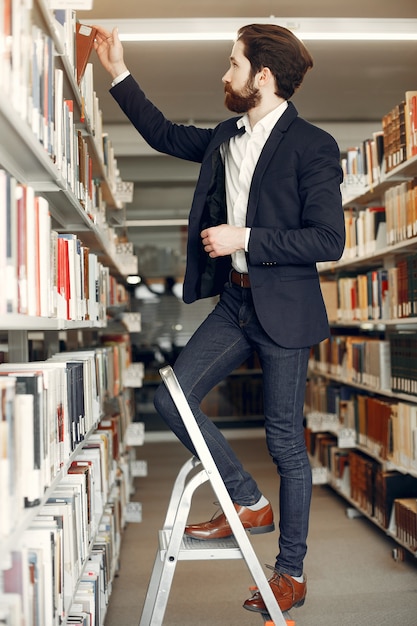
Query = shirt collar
x=267 y=122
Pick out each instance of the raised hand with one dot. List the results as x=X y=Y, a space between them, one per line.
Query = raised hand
x=110 y=51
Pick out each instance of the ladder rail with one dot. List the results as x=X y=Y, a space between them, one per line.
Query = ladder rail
x=178 y=489
x=164 y=567
x=177 y=394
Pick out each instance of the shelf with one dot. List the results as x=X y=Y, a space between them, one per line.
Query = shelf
x=13 y=322
x=365 y=194
x=369 y=260
x=377 y=325
x=28 y=161
x=380 y=392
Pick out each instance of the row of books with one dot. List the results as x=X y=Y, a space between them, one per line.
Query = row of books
x=380 y=294
x=401 y=211
x=365 y=297
x=376 y=227
x=387 y=428
x=48 y=408
x=365 y=163
x=65 y=561
x=365 y=231
x=404 y=362
x=45 y=94
x=363 y=480
x=356 y=359
x=239 y=396
x=389 y=364
x=400 y=131
x=46 y=273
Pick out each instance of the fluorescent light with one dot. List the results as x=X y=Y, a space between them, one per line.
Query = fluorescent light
x=224 y=29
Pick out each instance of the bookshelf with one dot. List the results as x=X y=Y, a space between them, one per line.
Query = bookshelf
x=66 y=417
x=361 y=400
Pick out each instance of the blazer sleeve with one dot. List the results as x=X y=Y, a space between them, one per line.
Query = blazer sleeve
x=182 y=141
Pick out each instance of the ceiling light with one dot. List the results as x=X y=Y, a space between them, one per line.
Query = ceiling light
x=133 y=279
x=224 y=29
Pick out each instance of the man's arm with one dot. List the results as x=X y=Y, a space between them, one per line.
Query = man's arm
x=185 y=142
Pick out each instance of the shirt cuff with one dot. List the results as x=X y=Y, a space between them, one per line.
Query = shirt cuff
x=247 y=235
x=119 y=78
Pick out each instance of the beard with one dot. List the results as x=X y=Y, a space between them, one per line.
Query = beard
x=241 y=102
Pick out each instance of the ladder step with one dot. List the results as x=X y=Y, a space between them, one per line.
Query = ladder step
x=196 y=550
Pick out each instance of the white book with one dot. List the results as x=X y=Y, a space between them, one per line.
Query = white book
x=93 y=301
x=59 y=118
x=71 y=563
x=3 y=234
x=54 y=525
x=31 y=251
x=30 y=488
x=15 y=580
x=44 y=225
x=86 y=596
x=40 y=542
x=10 y=274
x=74 y=484
x=10 y=604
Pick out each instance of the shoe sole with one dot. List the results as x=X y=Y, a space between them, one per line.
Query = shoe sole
x=256 y=530
x=260 y=530
x=265 y=610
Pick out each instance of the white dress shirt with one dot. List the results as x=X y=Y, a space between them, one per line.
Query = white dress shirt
x=240 y=156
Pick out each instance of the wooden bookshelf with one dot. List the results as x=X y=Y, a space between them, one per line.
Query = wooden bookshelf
x=347 y=437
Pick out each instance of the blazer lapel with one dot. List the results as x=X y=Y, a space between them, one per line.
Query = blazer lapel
x=268 y=151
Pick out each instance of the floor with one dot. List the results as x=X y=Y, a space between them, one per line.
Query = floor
x=352 y=578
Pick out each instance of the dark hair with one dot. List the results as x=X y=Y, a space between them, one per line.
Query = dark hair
x=276 y=47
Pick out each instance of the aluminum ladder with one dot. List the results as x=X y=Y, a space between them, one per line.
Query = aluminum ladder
x=175 y=546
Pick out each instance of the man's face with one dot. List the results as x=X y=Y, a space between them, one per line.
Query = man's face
x=240 y=93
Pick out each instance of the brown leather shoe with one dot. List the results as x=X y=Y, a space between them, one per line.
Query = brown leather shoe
x=256 y=522
x=287 y=591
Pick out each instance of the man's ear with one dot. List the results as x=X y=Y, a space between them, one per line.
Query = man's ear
x=265 y=76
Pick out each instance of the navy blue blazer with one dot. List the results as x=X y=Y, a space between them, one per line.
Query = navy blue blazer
x=294 y=212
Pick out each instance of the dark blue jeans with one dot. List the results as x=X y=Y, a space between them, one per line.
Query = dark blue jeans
x=224 y=340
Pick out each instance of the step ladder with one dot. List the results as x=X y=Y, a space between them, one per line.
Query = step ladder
x=175 y=546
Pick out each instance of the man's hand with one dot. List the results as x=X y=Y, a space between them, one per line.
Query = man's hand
x=110 y=51
x=223 y=240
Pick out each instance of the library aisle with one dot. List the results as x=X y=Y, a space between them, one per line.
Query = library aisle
x=352 y=578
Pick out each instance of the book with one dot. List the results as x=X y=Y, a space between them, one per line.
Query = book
x=411 y=123
x=405 y=515
x=84 y=42
x=389 y=486
x=31 y=430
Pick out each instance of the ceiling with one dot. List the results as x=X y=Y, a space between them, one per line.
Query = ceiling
x=350 y=88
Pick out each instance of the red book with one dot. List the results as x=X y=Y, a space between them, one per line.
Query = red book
x=84 y=41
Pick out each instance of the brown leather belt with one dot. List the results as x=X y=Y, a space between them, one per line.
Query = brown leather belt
x=240 y=279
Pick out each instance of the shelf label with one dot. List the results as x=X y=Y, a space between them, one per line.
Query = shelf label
x=133 y=375
x=139 y=468
x=320 y=475
x=124 y=191
x=132 y=321
x=346 y=438
x=133 y=512
x=135 y=434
